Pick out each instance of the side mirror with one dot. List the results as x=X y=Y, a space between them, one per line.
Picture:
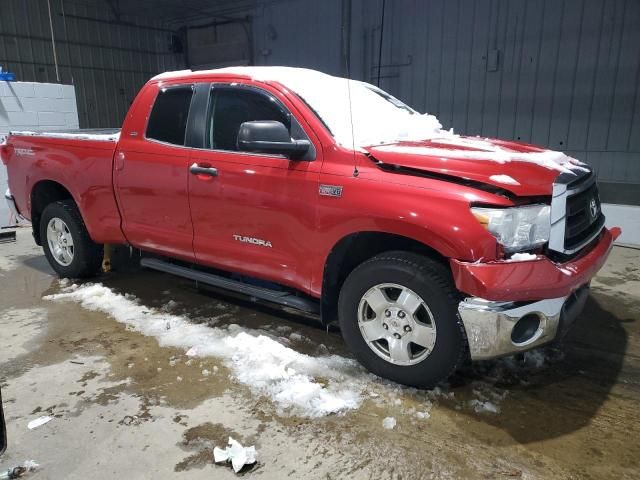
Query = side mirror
x=270 y=136
x=3 y=429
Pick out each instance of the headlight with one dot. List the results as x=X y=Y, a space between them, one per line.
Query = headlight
x=517 y=228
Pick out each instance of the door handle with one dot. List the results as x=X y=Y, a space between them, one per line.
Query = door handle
x=196 y=169
x=120 y=157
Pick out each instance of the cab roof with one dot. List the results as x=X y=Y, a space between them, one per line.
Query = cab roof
x=282 y=75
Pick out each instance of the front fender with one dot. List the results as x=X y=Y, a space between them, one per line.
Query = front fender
x=438 y=218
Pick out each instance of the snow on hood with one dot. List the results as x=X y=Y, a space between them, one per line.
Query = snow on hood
x=475 y=148
x=517 y=167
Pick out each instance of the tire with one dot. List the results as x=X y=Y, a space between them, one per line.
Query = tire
x=435 y=324
x=82 y=257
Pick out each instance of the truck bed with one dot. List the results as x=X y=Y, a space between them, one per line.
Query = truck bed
x=96 y=134
x=74 y=163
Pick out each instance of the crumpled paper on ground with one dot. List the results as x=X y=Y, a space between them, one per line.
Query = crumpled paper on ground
x=18 y=472
x=235 y=453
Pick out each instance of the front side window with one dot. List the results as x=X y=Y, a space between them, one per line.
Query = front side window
x=230 y=107
x=168 y=119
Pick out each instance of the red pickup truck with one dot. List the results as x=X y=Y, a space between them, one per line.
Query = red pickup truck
x=329 y=196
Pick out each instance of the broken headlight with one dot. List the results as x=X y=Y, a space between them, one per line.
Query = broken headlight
x=516 y=228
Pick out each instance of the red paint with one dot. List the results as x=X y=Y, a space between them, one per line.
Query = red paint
x=532 y=280
x=140 y=192
x=533 y=180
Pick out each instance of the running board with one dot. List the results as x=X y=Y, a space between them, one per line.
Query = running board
x=8 y=237
x=274 y=296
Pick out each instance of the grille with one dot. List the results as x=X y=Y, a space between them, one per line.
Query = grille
x=584 y=217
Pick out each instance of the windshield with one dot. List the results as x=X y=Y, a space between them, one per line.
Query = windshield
x=377 y=116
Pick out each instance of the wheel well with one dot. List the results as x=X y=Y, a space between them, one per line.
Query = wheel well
x=44 y=193
x=355 y=249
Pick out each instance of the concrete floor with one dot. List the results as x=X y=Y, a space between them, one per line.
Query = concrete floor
x=125 y=407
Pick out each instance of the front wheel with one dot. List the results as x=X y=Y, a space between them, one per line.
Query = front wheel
x=66 y=242
x=398 y=314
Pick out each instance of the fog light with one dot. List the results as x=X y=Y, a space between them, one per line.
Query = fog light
x=525 y=328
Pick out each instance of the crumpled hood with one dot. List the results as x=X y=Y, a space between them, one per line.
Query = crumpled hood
x=524 y=170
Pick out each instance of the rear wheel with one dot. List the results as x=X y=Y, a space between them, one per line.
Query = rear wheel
x=66 y=242
x=398 y=314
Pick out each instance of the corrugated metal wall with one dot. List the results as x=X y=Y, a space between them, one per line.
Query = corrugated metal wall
x=300 y=33
x=566 y=76
x=108 y=63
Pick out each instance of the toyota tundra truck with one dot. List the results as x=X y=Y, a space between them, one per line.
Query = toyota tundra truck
x=332 y=197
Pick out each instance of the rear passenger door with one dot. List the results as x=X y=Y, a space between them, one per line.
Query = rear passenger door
x=151 y=177
x=257 y=214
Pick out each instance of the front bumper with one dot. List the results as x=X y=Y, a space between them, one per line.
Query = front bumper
x=12 y=206
x=516 y=306
x=495 y=329
x=532 y=279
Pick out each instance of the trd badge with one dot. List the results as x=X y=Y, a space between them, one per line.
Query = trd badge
x=331 y=190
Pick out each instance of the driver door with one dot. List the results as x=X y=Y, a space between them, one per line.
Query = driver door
x=256 y=214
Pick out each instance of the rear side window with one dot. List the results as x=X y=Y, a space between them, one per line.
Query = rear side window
x=168 y=120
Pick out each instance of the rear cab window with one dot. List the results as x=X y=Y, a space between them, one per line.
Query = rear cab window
x=169 y=115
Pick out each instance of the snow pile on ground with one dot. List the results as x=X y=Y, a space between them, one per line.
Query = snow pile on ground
x=303 y=385
x=389 y=423
x=487 y=397
x=484 y=407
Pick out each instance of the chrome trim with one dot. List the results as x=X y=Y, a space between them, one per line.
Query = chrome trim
x=12 y=206
x=489 y=325
x=561 y=192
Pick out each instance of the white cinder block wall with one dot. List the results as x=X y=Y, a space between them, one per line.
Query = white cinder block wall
x=33 y=106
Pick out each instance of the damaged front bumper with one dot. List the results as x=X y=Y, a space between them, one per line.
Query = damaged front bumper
x=516 y=306
x=496 y=328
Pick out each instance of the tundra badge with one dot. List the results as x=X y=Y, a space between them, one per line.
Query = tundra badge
x=255 y=241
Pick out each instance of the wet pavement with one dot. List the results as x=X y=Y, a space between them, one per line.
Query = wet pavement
x=125 y=407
